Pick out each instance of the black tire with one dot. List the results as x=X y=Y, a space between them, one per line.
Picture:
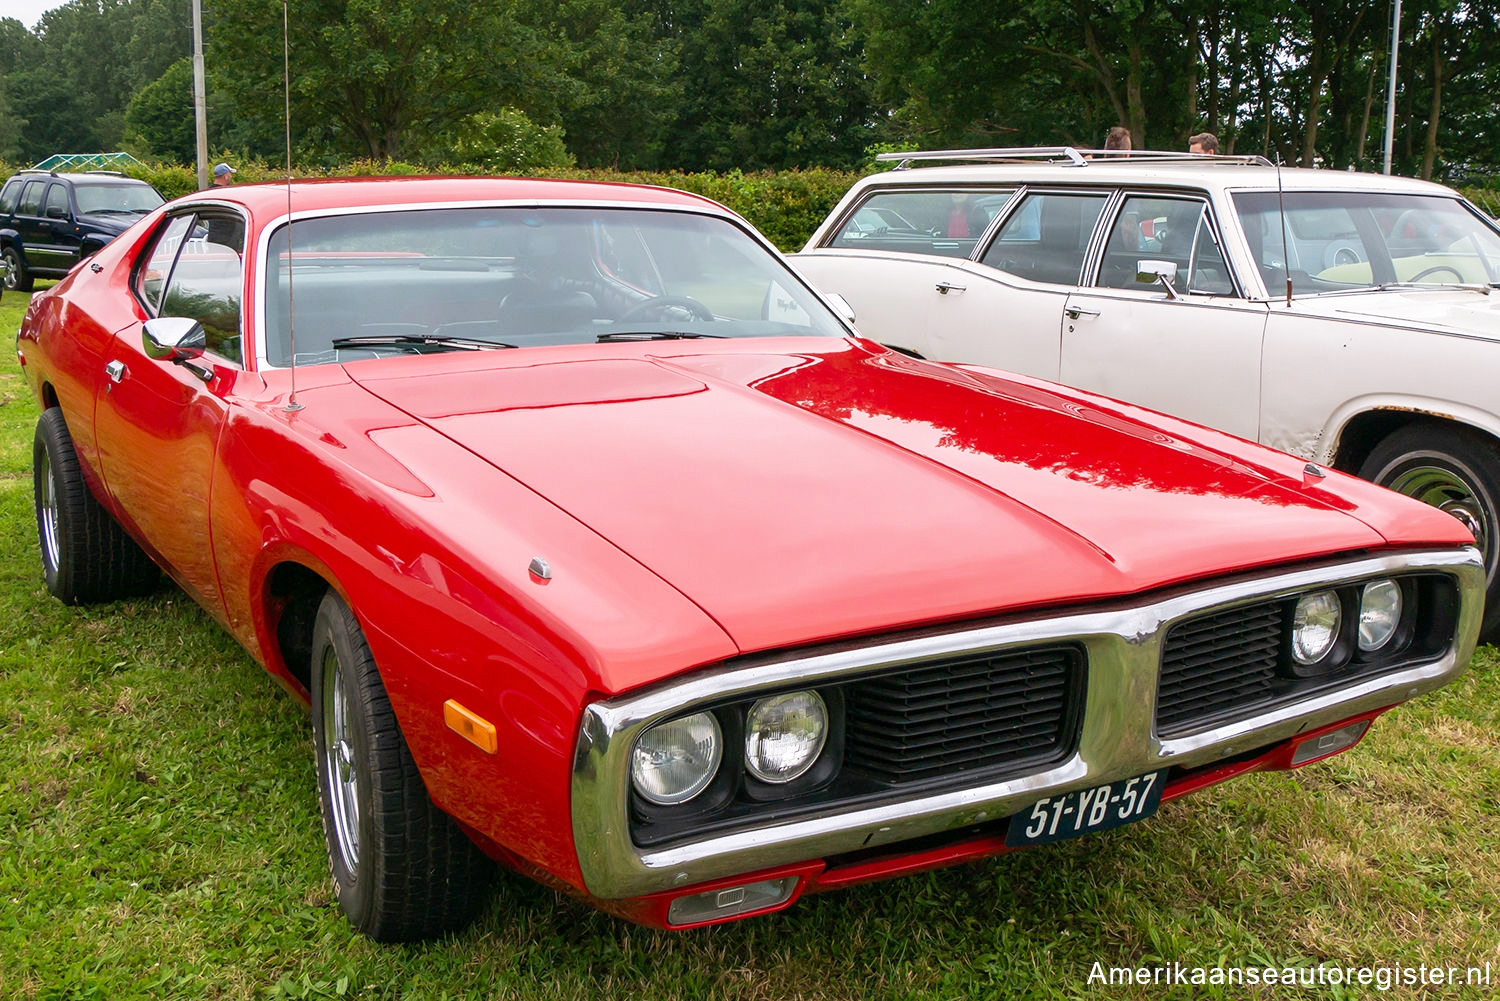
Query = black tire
x=1457 y=471
x=401 y=867
x=16 y=275
x=86 y=555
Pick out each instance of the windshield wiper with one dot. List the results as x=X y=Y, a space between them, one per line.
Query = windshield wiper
x=652 y=335
x=1467 y=286
x=407 y=340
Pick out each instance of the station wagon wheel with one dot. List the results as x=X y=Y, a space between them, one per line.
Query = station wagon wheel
x=16 y=275
x=401 y=867
x=1456 y=471
x=86 y=555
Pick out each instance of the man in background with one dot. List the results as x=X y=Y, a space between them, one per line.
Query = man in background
x=1203 y=142
x=223 y=175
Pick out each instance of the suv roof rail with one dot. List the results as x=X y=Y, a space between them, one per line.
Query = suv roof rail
x=1066 y=155
x=34 y=170
x=110 y=173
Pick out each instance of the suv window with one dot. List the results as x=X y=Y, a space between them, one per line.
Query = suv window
x=57 y=202
x=9 y=195
x=943 y=223
x=1046 y=237
x=1164 y=229
x=31 y=198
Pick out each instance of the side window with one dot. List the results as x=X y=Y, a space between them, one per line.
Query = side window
x=9 y=196
x=31 y=198
x=57 y=202
x=151 y=274
x=1046 y=237
x=942 y=223
x=206 y=282
x=1164 y=229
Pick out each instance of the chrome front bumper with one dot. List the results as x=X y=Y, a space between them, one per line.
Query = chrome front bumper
x=1117 y=738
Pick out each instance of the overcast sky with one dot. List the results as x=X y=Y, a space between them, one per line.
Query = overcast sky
x=28 y=12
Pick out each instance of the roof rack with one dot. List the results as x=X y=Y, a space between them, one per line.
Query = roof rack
x=1067 y=156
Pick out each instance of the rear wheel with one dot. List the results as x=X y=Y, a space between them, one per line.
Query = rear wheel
x=16 y=275
x=402 y=868
x=1457 y=471
x=86 y=555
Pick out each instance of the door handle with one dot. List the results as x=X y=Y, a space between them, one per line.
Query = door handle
x=945 y=287
x=115 y=370
x=1074 y=312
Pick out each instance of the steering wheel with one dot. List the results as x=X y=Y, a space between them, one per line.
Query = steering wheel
x=1434 y=270
x=662 y=303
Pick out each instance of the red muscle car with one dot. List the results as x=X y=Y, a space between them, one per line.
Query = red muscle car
x=602 y=548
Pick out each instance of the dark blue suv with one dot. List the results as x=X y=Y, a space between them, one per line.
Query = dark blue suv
x=50 y=221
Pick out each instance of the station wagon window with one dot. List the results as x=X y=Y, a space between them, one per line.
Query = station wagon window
x=1176 y=230
x=1355 y=239
x=945 y=223
x=1046 y=237
x=194 y=269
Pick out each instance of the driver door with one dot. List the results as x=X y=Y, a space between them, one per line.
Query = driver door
x=157 y=423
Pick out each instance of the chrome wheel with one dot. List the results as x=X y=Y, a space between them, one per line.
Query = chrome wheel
x=47 y=512
x=1446 y=489
x=340 y=763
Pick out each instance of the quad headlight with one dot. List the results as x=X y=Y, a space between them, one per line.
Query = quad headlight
x=784 y=735
x=1315 y=626
x=676 y=760
x=1380 y=607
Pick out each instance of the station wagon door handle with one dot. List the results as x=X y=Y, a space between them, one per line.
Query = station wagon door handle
x=945 y=287
x=115 y=370
x=1074 y=312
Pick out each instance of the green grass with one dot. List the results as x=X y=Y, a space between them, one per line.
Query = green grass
x=159 y=838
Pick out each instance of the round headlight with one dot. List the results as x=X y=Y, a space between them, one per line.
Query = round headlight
x=1315 y=626
x=674 y=761
x=1379 y=614
x=784 y=735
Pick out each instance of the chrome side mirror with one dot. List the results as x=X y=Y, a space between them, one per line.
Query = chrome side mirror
x=1162 y=273
x=174 y=339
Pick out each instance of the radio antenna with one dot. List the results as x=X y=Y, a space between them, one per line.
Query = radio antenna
x=292 y=406
x=1286 y=260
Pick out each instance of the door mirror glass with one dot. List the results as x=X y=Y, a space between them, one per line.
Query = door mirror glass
x=174 y=338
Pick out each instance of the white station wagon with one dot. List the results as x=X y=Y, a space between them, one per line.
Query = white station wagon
x=1350 y=319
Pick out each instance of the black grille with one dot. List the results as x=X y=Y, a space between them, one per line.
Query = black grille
x=956 y=716
x=1218 y=664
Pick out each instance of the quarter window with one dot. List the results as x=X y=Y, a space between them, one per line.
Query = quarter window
x=1046 y=237
x=9 y=196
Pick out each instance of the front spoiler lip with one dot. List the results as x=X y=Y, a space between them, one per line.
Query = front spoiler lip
x=1117 y=739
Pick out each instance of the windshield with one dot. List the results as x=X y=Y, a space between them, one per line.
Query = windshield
x=1337 y=241
x=379 y=283
x=135 y=198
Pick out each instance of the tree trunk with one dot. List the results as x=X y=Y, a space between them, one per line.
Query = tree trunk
x=1435 y=106
x=1364 y=122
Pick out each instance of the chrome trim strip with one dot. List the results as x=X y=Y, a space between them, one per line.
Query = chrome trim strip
x=1117 y=738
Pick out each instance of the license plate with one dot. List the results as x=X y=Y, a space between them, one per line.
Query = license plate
x=1085 y=811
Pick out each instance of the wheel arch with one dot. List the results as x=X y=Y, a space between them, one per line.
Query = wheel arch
x=290 y=594
x=1362 y=432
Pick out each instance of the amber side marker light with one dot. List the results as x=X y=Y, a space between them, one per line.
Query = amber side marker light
x=475 y=729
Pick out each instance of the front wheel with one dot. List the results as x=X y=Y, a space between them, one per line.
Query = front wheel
x=402 y=868
x=1456 y=471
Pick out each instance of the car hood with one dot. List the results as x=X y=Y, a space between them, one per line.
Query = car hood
x=800 y=490
x=1459 y=311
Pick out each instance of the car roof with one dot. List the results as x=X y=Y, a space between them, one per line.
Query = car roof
x=107 y=177
x=1204 y=172
x=271 y=198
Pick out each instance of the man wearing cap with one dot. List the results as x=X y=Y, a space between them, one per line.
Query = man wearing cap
x=223 y=175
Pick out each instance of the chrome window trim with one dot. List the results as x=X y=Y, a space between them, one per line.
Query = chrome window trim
x=1117 y=738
